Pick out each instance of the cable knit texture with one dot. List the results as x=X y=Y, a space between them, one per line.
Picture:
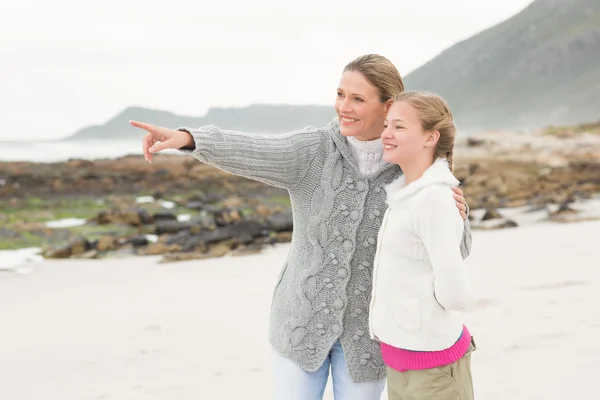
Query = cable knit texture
x=324 y=288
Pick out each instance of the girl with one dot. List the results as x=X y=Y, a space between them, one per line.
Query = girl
x=420 y=282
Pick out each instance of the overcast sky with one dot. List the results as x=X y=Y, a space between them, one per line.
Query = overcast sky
x=66 y=64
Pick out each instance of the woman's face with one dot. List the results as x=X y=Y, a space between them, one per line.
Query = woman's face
x=359 y=108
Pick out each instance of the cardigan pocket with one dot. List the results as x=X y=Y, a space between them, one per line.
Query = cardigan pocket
x=407 y=313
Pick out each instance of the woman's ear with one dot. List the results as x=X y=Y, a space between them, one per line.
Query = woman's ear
x=387 y=106
x=432 y=138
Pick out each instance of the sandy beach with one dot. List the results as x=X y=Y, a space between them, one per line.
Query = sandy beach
x=136 y=329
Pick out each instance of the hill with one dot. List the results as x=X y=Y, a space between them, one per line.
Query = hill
x=255 y=118
x=540 y=67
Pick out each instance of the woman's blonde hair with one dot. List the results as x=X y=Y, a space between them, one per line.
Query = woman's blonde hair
x=379 y=72
x=435 y=115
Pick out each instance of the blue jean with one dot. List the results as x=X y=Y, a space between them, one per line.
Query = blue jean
x=293 y=383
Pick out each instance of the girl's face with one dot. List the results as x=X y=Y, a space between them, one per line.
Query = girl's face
x=403 y=137
x=359 y=108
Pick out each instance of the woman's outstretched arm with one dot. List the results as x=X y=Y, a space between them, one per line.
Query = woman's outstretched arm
x=278 y=160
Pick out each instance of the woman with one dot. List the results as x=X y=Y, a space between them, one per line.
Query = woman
x=420 y=282
x=336 y=180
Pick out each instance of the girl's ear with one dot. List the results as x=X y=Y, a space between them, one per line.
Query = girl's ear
x=432 y=138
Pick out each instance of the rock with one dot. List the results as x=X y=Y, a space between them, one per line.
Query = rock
x=79 y=164
x=130 y=216
x=564 y=213
x=266 y=240
x=197 y=198
x=234 y=203
x=496 y=223
x=225 y=217
x=282 y=222
x=220 y=249
x=537 y=208
x=171 y=227
x=247 y=250
x=207 y=223
x=161 y=173
x=240 y=230
x=73 y=247
x=164 y=216
x=174 y=257
x=205 y=198
x=506 y=223
x=565 y=208
x=138 y=241
x=106 y=243
x=263 y=211
x=90 y=254
x=472 y=142
x=241 y=233
x=187 y=242
x=515 y=203
x=217 y=250
x=473 y=168
x=196 y=205
x=159 y=248
x=212 y=209
x=283 y=237
x=489 y=201
x=243 y=239
x=125 y=250
x=213 y=197
x=491 y=213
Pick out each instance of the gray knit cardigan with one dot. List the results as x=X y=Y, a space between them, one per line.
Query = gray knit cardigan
x=323 y=291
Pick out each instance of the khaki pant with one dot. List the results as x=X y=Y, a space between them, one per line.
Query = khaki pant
x=450 y=382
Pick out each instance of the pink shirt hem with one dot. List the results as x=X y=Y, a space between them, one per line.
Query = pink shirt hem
x=404 y=360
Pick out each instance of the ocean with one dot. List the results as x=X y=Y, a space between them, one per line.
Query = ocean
x=59 y=151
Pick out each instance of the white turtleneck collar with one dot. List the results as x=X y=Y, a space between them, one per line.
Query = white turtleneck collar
x=438 y=173
x=368 y=154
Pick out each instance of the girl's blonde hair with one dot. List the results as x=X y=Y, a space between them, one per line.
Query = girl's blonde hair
x=435 y=115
